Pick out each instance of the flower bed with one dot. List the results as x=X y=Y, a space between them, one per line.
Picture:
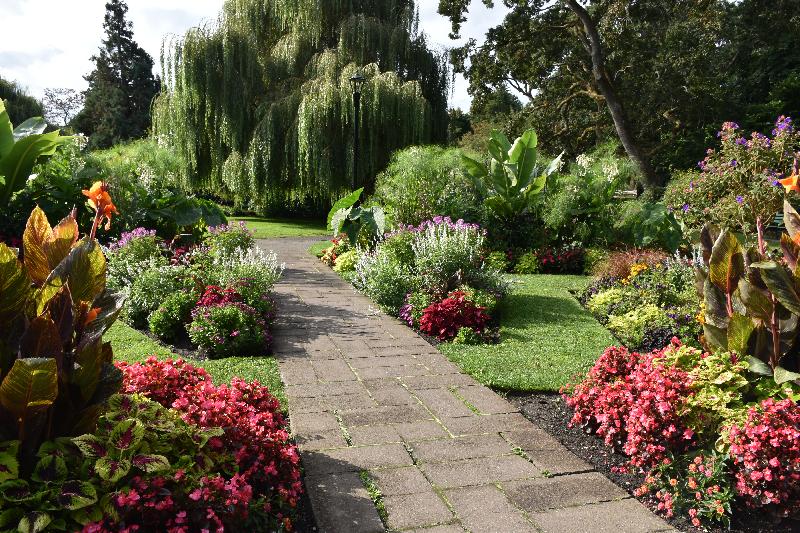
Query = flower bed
x=78 y=455
x=213 y=297
x=433 y=276
x=709 y=435
x=645 y=299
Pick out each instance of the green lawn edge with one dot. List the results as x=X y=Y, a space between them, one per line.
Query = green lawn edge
x=271 y=228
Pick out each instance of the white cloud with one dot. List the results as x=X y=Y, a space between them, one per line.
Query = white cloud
x=49 y=43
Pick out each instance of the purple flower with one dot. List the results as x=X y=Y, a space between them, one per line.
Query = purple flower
x=126 y=238
x=783 y=125
x=741 y=141
x=739 y=199
x=685 y=208
x=734 y=163
x=691 y=184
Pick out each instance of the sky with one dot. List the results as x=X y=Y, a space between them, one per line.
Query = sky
x=48 y=43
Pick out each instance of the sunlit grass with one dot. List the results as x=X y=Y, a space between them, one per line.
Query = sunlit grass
x=269 y=228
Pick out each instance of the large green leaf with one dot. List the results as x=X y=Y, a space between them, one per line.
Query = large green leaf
x=74 y=495
x=34 y=522
x=739 y=331
x=344 y=203
x=780 y=284
x=757 y=303
x=338 y=219
x=475 y=169
x=16 y=166
x=32 y=126
x=726 y=266
x=757 y=366
x=499 y=146
x=15 y=286
x=523 y=155
x=6 y=131
x=85 y=271
x=31 y=383
x=782 y=375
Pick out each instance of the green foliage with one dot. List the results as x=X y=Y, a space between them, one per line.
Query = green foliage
x=602 y=302
x=252 y=274
x=424 y=181
x=527 y=263
x=514 y=176
x=468 y=336
x=593 y=257
x=56 y=371
x=226 y=242
x=368 y=223
x=260 y=108
x=121 y=86
x=169 y=321
x=630 y=327
x=346 y=262
x=152 y=288
x=19 y=104
x=20 y=149
x=497 y=261
x=384 y=279
x=752 y=302
x=127 y=262
x=480 y=298
x=228 y=330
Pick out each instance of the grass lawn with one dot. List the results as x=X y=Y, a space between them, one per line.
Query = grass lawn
x=268 y=228
x=133 y=346
x=318 y=247
x=547 y=338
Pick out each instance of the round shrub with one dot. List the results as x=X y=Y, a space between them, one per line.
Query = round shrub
x=132 y=253
x=425 y=181
x=497 y=261
x=227 y=330
x=384 y=279
x=169 y=321
x=346 y=262
x=528 y=263
x=446 y=253
x=416 y=302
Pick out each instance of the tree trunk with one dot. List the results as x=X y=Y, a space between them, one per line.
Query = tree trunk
x=594 y=48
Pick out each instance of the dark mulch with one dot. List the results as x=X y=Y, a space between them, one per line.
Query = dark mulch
x=550 y=412
x=305 y=522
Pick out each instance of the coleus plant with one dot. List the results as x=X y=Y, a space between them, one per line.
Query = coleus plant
x=56 y=371
x=752 y=299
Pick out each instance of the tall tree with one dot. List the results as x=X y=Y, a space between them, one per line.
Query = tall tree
x=644 y=72
x=61 y=104
x=260 y=107
x=121 y=86
x=19 y=104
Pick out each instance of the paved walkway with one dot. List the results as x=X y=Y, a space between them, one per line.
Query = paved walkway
x=367 y=396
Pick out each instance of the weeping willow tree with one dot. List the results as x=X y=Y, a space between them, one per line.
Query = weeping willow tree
x=259 y=104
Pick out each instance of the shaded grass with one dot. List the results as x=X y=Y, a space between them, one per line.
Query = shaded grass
x=268 y=228
x=133 y=346
x=547 y=338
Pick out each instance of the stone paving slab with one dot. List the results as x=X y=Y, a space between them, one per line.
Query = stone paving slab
x=368 y=395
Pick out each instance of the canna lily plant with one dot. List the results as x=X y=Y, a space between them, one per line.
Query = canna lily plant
x=752 y=299
x=56 y=373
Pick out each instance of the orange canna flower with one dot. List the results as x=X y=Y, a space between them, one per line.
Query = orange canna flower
x=790 y=182
x=91 y=315
x=100 y=200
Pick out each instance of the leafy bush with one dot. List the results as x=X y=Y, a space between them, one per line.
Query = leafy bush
x=227 y=241
x=346 y=262
x=618 y=264
x=737 y=184
x=527 y=263
x=446 y=253
x=255 y=430
x=362 y=225
x=259 y=268
x=339 y=245
x=561 y=260
x=445 y=318
x=132 y=253
x=54 y=307
x=152 y=288
x=416 y=303
x=384 y=279
x=426 y=181
x=497 y=261
x=169 y=321
x=223 y=325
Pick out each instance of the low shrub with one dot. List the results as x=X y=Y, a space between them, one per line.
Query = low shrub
x=346 y=262
x=415 y=304
x=444 y=319
x=229 y=240
x=446 y=253
x=562 y=260
x=618 y=264
x=528 y=263
x=152 y=288
x=169 y=321
x=134 y=252
x=497 y=261
x=224 y=326
x=384 y=279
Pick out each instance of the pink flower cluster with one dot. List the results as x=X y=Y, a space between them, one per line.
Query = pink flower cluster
x=766 y=456
x=267 y=463
x=633 y=401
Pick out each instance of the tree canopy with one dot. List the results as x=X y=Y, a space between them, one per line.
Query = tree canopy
x=677 y=69
x=19 y=104
x=121 y=86
x=259 y=103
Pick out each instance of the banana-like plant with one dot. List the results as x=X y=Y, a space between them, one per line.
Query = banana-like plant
x=20 y=149
x=347 y=217
x=57 y=372
x=752 y=301
x=514 y=176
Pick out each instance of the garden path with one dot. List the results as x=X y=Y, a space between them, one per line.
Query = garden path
x=369 y=397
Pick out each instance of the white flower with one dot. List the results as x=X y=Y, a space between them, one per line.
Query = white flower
x=584 y=161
